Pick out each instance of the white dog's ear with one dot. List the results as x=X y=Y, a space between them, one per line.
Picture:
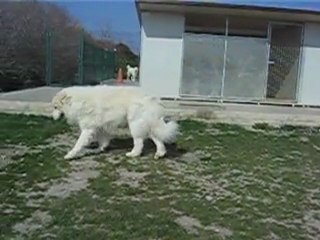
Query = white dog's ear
x=65 y=99
x=61 y=99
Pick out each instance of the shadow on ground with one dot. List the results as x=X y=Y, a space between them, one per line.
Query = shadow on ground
x=121 y=144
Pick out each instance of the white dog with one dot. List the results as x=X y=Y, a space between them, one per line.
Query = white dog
x=100 y=110
x=132 y=73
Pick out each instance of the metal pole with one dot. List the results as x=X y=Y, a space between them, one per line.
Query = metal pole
x=224 y=57
x=269 y=33
x=115 y=59
x=301 y=52
x=81 y=58
x=49 y=57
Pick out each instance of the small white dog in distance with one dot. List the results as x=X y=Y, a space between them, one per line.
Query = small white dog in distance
x=132 y=73
x=100 y=110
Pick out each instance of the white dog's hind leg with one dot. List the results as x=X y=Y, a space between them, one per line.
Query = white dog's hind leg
x=137 y=148
x=83 y=140
x=135 y=74
x=161 y=148
x=138 y=133
x=104 y=140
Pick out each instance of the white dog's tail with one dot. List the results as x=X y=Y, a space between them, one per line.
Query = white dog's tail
x=166 y=131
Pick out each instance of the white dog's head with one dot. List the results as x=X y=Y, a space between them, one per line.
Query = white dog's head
x=59 y=101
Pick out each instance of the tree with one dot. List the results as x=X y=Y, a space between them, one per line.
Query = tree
x=23 y=27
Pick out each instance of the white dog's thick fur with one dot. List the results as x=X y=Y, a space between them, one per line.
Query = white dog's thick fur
x=100 y=110
x=132 y=73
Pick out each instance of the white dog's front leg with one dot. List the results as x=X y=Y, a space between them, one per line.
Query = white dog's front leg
x=83 y=140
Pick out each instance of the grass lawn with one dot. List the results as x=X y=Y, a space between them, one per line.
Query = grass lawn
x=218 y=182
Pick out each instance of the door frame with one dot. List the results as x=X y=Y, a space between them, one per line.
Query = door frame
x=298 y=82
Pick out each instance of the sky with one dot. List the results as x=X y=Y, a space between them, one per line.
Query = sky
x=120 y=16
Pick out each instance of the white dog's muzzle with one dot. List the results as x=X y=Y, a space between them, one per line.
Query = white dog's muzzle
x=56 y=114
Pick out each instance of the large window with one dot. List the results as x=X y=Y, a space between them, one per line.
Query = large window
x=240 y=58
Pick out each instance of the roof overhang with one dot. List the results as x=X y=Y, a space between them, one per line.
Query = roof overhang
x=211 y=7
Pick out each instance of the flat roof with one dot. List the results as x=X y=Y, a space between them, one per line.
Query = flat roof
x=193 y=6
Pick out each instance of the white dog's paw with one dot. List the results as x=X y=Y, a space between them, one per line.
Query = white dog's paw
x=69 y=156
x=132 y=154
x=104 y=147
x=159 y=155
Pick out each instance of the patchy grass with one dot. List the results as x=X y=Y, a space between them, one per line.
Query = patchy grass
x=218 y=182
x=28 y=130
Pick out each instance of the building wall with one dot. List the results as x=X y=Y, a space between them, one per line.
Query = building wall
x=309 y=87
x=161 y=53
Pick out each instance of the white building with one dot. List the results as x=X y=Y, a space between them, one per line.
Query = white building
x=223 y=52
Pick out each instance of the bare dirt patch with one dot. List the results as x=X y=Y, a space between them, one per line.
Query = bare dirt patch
x=193 y=225
x=130 y=178
x=37 y=221
x=78 y=179
x=312 y=221
x=10 y=151
x=63 y=140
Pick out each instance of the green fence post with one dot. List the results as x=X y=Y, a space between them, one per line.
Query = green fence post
x=81 y=59
x=49 y=57
x=114 y=63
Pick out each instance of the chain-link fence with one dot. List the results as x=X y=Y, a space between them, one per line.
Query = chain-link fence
x=285 y=50
x=96 y=64
x=62 y=53
x=77 y=60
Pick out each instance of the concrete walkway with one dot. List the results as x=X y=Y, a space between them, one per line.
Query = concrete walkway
x=40 y=94
x=37 y=101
